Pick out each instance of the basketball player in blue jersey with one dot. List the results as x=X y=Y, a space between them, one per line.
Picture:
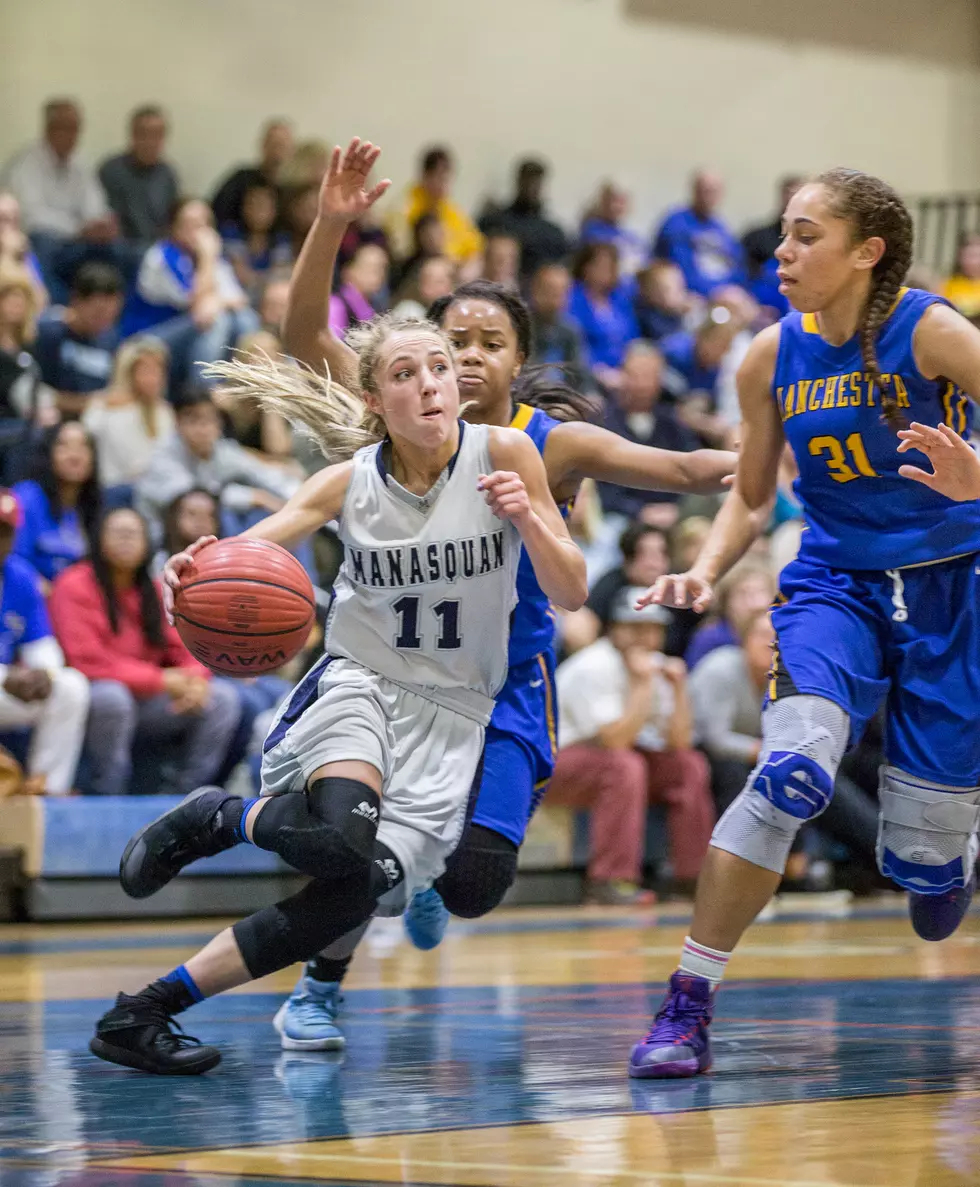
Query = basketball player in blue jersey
x=882 y=602
x=490 y=330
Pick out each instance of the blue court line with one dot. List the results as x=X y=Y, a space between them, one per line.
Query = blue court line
x=43 y=947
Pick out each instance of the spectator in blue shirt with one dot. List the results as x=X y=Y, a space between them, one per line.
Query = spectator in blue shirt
x=604 y=223
x=662 y=301
x=75 y=351
x=60 y=502
x=254 y=247
x=759 y=245
x=37 y=691
x=188 y=296
x=699 y=242
x=602 y=308
x=694 y=363
x=557 y=339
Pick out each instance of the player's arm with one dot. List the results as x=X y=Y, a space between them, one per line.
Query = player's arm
x=317 y=501
x=576 y=450
x=306 y=333
x=744 y=513
x=518 y=490
x=946 y=345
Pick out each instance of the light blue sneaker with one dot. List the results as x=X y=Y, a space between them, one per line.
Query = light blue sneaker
x=307 y=1020
x=426 y=919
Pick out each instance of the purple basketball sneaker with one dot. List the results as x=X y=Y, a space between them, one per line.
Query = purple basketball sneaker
x=937 y=916
x=677 y=1044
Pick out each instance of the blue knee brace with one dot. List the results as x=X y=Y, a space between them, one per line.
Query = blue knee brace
x=794 y=784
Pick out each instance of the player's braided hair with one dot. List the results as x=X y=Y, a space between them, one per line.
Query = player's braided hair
x=874 y=209
x=336 y=418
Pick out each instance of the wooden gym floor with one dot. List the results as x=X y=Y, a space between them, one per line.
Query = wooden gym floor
x=846 y=1053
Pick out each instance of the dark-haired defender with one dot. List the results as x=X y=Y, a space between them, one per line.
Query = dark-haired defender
x=882 y=601
x=490 y=331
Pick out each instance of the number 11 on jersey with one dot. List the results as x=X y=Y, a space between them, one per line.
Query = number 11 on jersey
x=409 y=638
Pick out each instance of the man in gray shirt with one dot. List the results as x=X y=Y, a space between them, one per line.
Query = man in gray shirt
x=196 y=455
x=140 y=185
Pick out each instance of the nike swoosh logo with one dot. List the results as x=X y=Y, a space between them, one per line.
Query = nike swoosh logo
x=536 y=683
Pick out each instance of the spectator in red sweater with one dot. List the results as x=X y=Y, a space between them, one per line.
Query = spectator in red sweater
x=148 y=692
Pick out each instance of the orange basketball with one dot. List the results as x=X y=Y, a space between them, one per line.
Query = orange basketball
x=245 y=607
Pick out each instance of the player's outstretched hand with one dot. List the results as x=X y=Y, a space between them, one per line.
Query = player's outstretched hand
x=344 y=193
x=173 y=569
x=682 y=591
x=955 y=465
x=506 y=495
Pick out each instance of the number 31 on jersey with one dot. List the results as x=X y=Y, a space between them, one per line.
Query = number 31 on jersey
x=846 y=460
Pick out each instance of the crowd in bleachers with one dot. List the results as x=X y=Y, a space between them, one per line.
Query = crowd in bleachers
x=117 y=289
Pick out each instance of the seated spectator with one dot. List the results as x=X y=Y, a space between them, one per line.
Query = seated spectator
x=502 y=259
x=662 y=302
x=626 y=741
x=140 y=185
x=746 y=590
x=63 y=205
x=557 y=340
x=428 y=241
x=276 y=148
x=196 y=455
x=728 y=689
x=694 y=366
x=361 y=281
x=963 y=287
x=431 y=195
x=130 y=418
x=686 y=541
x=299 y=208
x=646 y=557
x=636 y=413
x=190 y=516
x=263 y=433
x=697 y=240
x=434 y=278
x=15 y=249
x=540 y=240
x=272 y=306
x=59 y=502
x=75 y=351
x=38 y=691
x=21 y=393
x=600 y=306
x=759 y=245
x=188 y=296
x=254 y=247
x=305 y=167
x=604 y=222
x=148 y=692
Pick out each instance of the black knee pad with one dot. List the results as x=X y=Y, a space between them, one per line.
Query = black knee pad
x=324 y=910
x=327 y=831
x=479 y=873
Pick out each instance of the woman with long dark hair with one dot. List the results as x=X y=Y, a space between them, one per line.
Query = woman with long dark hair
x=60 y=501
x=147 y=689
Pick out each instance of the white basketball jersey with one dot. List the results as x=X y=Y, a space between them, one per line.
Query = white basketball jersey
x=427 y=585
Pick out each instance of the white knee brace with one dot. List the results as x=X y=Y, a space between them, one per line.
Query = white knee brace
x=927 y=832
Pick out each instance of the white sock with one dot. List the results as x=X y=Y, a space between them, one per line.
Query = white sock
x=702 y=961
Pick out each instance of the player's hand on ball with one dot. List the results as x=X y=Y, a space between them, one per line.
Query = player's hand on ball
x=506 y=495
x=955 y=465
x=682 y=591
x=178 y=564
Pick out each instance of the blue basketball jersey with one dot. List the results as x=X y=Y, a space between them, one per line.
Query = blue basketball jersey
x=532 y=625
x=859 y=513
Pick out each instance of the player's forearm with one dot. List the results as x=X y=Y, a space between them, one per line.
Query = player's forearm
x=734 y=530
x=306 y=321
x=703 y=470
x=558 y=564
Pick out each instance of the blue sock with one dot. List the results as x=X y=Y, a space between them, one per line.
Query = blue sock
x=180 y=976
x=246 y=808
